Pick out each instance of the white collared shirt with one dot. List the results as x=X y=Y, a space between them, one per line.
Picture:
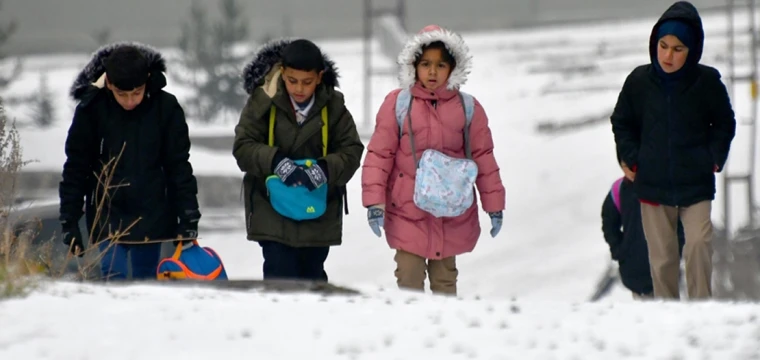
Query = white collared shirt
x=301 y=113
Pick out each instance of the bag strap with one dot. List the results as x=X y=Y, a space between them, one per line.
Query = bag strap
x=178 y=250
x=411 y=133
x=402 y=100
x=324 y=131
x=272 y=117
x=467 y=121
x=467 y=106
x=272 y=114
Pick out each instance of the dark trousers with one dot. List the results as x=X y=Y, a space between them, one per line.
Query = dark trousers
x=286 y=262
x=144 y=259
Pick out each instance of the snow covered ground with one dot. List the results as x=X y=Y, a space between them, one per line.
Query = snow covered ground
x=548 y=257
x=68 y=321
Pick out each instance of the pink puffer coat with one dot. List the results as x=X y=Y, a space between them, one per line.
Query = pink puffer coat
x=388 y=171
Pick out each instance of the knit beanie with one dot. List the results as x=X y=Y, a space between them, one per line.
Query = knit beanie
x=679 y=29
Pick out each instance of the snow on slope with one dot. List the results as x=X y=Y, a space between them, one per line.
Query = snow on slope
x=68 y=321
x=551 y=246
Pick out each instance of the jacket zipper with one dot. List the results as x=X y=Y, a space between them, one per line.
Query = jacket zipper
x=670 y=151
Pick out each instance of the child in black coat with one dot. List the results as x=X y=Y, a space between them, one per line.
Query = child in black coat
x=621 y=224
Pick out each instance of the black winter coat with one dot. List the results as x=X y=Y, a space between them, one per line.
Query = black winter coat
x=674 y=132
x=153 y=185
x=624 y=233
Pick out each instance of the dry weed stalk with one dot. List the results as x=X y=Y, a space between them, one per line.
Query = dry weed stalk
x=20 y=260
x=14 y=265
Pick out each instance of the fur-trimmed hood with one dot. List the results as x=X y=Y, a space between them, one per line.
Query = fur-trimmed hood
x=93 y=72
x=429 y=34
x=266 y=66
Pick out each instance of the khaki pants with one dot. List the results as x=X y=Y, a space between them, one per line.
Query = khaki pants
x=660 y=223
x=410 y=273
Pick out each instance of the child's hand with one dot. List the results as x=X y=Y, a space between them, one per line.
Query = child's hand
x=287 y=170
x=630 y=174
x=496 y=221
x=376 y=218
x=315 y=177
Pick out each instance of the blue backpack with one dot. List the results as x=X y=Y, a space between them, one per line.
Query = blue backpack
x=192 y=263
x=297 y=203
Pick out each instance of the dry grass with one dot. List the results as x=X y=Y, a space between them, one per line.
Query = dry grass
x=23 y=259
x=15 y=266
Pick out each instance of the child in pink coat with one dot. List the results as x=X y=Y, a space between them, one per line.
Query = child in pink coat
x=434 y=64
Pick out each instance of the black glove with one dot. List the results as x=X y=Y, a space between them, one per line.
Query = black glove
x=287 y=170
x=187 y=230
x=316 y=176
x=72 y=237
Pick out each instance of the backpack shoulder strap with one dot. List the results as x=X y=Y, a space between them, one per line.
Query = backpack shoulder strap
x=324 y=131
x=615 y=192
x=402 y=106
x=468 y=101
x=271 y=125
x=468 y=105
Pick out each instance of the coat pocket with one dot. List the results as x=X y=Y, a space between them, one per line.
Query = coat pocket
x=402 y=199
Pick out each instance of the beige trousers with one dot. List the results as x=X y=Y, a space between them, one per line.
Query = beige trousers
x=660 y=224
x=411 y=273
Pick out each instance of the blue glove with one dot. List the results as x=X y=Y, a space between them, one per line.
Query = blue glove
x=376 y=219
x=496 y=220
x=315 y=177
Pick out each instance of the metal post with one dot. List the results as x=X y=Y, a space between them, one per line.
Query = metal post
x=753 y=115
x=730 y=56
x=731 y=76
x=401 y=14
x=367 y=123
x=721 y=273
x=401 y=8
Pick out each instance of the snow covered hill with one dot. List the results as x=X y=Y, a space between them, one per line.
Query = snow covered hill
x=67 y=321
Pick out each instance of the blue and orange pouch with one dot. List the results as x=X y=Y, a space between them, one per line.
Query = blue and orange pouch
x=193 y=263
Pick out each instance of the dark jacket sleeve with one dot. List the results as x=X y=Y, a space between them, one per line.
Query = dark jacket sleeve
x=625 y=126
x=345 y=150
x=182 y=185
x=250 y=148
x=723 y=125
x=611 y=226
x=78 y=176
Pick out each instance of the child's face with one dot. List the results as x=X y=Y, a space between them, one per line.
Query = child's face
x=128 y=100
x=301 y=84
x=432 y=71
x=671 y=53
